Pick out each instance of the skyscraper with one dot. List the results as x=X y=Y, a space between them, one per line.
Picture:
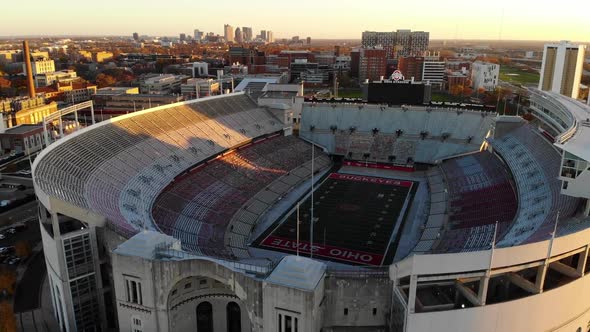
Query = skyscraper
x=562 y=67
x=269 y=37
x=238 y=35
x=135 y=36
x=228 y=33
x=182 y=37
x=398 y=43
x=247 y=33
x=198 y=35
x=263 y=34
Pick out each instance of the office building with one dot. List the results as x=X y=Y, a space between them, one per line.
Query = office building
x=162 y=84
x=199 y=88
x=433 y=70
x=247 y=34
x=228 y=33
x=562 y=68
x=62 y=76
x=198 y=36
x=484 y=75
x=372 y=64
x=411 y=67
x=238 y=36
x=398 y=43
x=41 y=66
x=135 y=36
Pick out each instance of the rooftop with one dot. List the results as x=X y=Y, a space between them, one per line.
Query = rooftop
x=298 y=272
x=22 y=129
x=144 y=244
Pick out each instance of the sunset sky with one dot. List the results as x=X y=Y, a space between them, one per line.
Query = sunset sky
x=461 y=19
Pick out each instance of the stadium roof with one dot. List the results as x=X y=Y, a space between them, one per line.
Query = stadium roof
x=579 y=143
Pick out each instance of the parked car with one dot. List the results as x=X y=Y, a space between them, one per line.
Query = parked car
x=13 y=261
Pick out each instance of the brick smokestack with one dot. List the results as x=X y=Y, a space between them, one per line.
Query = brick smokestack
x=27 y=58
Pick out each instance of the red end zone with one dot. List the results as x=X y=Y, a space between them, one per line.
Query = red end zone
x=379 y=166
x=342 y=254
x=371 y=179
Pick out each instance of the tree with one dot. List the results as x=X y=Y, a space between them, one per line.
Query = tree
x=104 y=80
x=7 y=280
x=4 y=83
x=7 y=319
x=22 y=249
x=456 y=90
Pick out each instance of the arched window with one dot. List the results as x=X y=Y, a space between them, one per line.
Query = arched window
x=204 y=317
x=234 y=317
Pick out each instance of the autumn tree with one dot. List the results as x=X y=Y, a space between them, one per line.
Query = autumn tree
x=7 y=319
x=104 y=80
x=22 y=249
x=456 y=90
x=7 y=280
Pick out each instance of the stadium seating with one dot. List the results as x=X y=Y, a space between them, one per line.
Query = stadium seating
x=117 y=169
x=206 y=199
x=480 y=194
x=424 y=134
x=535 y=163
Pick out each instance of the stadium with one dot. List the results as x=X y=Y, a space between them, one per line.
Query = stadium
x=218 y=214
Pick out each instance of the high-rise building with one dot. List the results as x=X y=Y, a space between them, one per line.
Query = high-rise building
x=135 y=36
x=433 y=71
x=238 y=35
x=269 y=37
x=182 y=37
x=308 y=40
x=247 y=33
x=485 y=75
x=228 y=33
x=198 y=35
x=398 y=43
x=263 y=34
x=372 y=64
x=562 y=67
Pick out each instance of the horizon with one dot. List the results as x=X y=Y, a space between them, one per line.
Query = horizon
x=313 y=39
x=507 y=20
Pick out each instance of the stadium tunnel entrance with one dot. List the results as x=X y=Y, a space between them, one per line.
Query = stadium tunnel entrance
x=200 y=303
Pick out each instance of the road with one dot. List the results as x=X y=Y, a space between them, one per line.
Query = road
x=28 y=290
x=24 y=212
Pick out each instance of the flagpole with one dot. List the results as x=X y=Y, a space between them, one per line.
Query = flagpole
x=553 y=236
x=311 y=223
x=298 y=229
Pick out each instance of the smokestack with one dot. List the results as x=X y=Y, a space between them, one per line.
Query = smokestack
x=29 y=68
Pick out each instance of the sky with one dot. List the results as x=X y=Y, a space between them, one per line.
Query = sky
x=321 y=19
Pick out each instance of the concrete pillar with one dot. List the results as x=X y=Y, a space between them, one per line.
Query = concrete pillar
x=482 y=292
x=582 y=261
x=412 y=294
x=540 y=278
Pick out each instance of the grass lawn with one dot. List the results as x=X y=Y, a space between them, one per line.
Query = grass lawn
x=444 y=97
x=515 y=75
x=349 y=93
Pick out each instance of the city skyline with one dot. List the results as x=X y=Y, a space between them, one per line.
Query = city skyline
x=460 y=19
